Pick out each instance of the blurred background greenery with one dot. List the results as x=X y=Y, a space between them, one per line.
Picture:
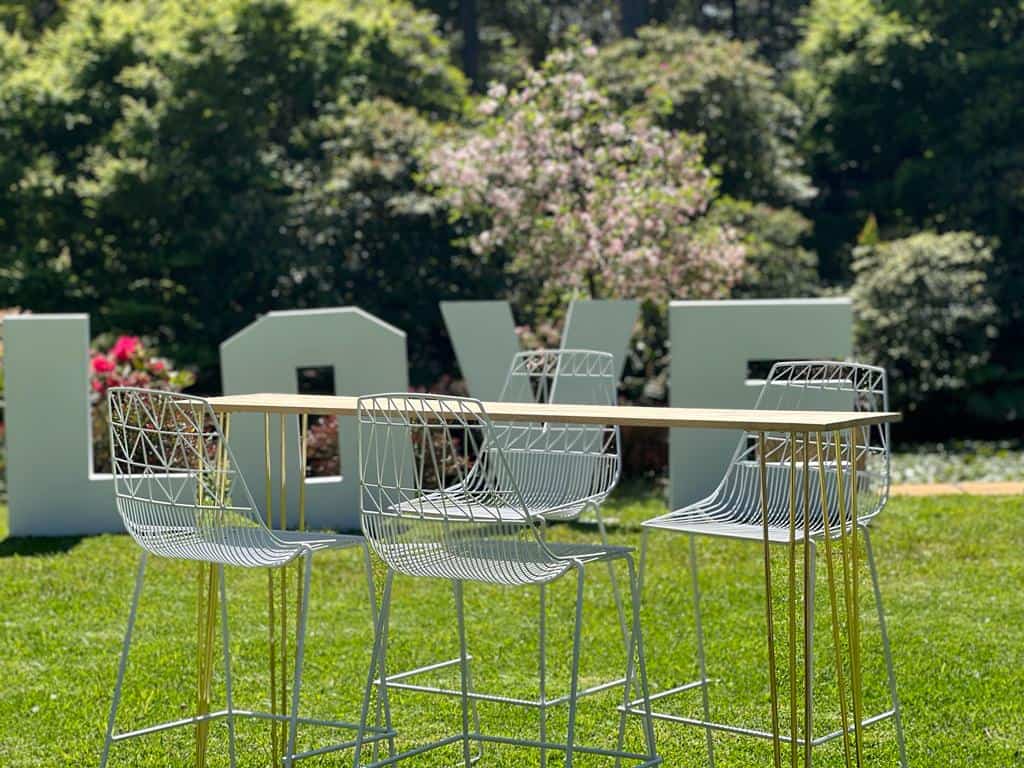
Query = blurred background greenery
x=177 y=167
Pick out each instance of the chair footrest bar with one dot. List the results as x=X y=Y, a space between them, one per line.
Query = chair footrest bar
x=377 y=733
x=395 y=681
x=644 y=761
x=496 y=699
x=422 y=670
x=671 y=691
x=586 y=692
x=476 y=696
x=864 y=724
x=194 y=720
x=742 y=731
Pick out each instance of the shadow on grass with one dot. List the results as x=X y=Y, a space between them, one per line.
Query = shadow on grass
x=34 y=546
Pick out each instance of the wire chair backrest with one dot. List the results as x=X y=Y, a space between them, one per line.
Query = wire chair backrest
x=176 y=484
x=815 y=385
x=561 y=467
x=434 y=502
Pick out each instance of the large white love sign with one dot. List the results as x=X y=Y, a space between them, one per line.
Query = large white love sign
x=51 y=488
x=483 y=335
x=717 y=349
x=359 y=352
x=54 y=492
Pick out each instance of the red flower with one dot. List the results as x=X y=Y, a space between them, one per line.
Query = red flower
x=97 y=385
x=125 y=348
x=157 y=366
x=101 y=364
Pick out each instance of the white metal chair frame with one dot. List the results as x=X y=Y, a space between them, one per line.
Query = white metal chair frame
x=180 y=495
x=440 y=499
x=733 y=509
x=560 y=469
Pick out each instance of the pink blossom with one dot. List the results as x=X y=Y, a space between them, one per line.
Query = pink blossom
x=584 y=198
x=101 y=364
x=125 y=348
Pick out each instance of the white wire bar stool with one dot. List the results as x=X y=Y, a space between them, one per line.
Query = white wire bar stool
x=561 y=470
x=802 y=491
x=181 y=496
x=440 y=500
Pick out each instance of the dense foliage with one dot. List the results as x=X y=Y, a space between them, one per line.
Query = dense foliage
x=915 y=110
x=179 y=172
x=586 y=200
x=777 y=265
x=924 y=310
x=177 y=167
x=707 y=84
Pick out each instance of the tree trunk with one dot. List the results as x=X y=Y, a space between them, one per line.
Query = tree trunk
x=469 y=21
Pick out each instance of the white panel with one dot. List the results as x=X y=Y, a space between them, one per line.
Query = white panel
x=52 y=490
x=602 y=325
x=712 y=343
x=368 y=356
x=484 y=337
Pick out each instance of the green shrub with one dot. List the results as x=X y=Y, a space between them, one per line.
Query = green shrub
x=776 y=264
x=176 y=173
x=924 y=310
x=704 y=83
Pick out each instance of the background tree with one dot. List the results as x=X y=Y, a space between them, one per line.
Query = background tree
x=915 y=108
x=704 y=84
x=924 y=311
x=707 y=84
x=585 y=200
x=157 y=168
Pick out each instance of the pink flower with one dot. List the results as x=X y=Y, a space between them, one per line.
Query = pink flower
x=157 y=366
x=125 y=348
x=101 y=364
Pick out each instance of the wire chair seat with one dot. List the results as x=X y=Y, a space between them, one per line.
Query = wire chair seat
x=235 y=546
x=490 y=561
x=179 y=492
x=734 y=509
x=458 y=502
x=439 y=498
x=181 y=496
x=816 y=472
x=739 y=515
x=561 y=469
x=548 y=494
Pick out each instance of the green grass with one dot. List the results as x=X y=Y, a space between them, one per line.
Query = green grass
x=951 y=570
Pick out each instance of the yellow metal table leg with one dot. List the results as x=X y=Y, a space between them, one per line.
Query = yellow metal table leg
x=769 y=609
x=211 y=499
x=833 y=597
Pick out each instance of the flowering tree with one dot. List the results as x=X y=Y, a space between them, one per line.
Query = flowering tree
x=584 y=199
x=128 y=363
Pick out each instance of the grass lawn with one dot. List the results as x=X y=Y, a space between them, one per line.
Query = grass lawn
x=952 y=572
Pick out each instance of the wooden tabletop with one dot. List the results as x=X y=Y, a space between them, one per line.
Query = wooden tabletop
x=624 y=415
